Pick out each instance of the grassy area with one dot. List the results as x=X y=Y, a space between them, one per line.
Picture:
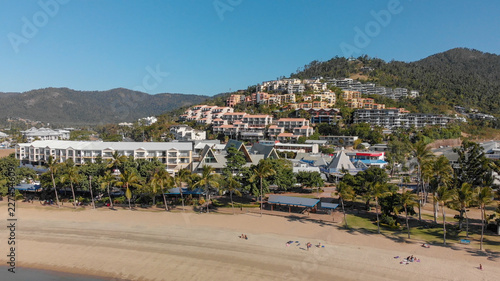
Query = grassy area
x=432 y=234
x=439 y=218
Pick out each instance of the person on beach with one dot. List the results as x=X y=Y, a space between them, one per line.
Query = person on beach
x=480 y=267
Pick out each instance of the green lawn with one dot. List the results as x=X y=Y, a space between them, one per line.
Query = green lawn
x=432 y=235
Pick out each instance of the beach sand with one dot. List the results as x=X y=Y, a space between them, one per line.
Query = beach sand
x=145 y=245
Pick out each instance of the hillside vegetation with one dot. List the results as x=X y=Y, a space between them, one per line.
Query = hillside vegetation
x=460 y=76
x=63 y=106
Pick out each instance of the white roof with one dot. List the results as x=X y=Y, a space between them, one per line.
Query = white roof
x=3 y=135
x=89 y=145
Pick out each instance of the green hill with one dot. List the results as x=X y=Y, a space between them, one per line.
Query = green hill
x=63 y=106
x=460 y=76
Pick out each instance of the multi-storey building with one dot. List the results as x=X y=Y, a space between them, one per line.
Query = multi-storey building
x=340 y=140
x=175 y=155
x=291 y=123
x=395 y=118
x=45 y=134
x=260 y=120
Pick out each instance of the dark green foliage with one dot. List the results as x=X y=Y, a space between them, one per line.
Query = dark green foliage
x=235 y=161
x=284 y=177
x=460 y=76
x=472 y=166
x=310 y=179
x=63 y=106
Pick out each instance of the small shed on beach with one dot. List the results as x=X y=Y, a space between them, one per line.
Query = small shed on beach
x=291 y=201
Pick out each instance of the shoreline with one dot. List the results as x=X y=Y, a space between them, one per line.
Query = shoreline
x=144 y=245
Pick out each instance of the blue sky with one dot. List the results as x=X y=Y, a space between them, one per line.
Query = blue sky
x=211 y=46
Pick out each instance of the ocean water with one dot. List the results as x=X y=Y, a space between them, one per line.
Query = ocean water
x=28 y=274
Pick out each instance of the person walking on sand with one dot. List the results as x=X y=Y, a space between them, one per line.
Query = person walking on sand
x=480 y=267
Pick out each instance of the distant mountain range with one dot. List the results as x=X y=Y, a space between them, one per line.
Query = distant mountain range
x=63 y=106
x=460 y=76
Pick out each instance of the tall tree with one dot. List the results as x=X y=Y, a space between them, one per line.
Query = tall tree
x=442 y=173
x=462 y=198
x=483 y=197
x=231 y=185
x=53 y=165
x=422 y=153
x=235 y=161
x=72 y=176
x=182 y=176
x=128 y=179
x=208 y=179
x=105 y=181
x=443 y=195
x=262 y=171
x=376 y=191
x=345 y=192
x=472 y=165
x=408 y=199
x=163 y=179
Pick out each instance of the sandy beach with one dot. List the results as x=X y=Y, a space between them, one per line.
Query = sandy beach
x=145 y=245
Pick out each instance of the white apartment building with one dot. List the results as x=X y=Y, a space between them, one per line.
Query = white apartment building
x=175 y=155
x=186 y=133
x=260 y=120
x=33 y=134
x=291 y=123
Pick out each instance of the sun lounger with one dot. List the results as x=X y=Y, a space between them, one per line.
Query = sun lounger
x=464 y=241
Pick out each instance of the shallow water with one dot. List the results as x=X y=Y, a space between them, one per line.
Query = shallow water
x=26 y=274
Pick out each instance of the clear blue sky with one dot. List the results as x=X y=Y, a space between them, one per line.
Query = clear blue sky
x=100 y=45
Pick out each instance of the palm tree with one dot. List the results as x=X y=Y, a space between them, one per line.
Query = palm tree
x=208 y=179
x=376 y=191
x=408 y=199
x=72 y=176
x=442 y=173
x=483 y=197
x=116 y=161
x=162 y=179
x=263 y=170
x=422 y=154
x=128 y=179
x=463 y=197
x=232 y=185
x=182 y=176
x=443 y=195
x=53 y=165
x=345 y=192
x=106 y=181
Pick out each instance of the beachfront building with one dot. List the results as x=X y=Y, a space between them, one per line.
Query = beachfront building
x=33 y=134
x=175 y=155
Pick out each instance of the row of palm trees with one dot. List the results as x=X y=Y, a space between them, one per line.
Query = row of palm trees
x=461 y=198
x=435 y=176
x=158 y=180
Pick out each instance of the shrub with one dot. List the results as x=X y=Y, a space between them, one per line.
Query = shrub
x=119 y=200
x=390 y=221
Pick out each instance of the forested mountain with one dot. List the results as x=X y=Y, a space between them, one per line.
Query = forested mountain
x=64 y=106
x=460 y=76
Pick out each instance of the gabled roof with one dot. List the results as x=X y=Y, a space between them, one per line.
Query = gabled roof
x=240 y=147
x=266 y=150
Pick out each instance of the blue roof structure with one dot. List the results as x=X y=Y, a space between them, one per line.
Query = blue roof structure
x=371 y=162
x=293 y=201
x=185 y=191
x=329 y=205
x=28 y=187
